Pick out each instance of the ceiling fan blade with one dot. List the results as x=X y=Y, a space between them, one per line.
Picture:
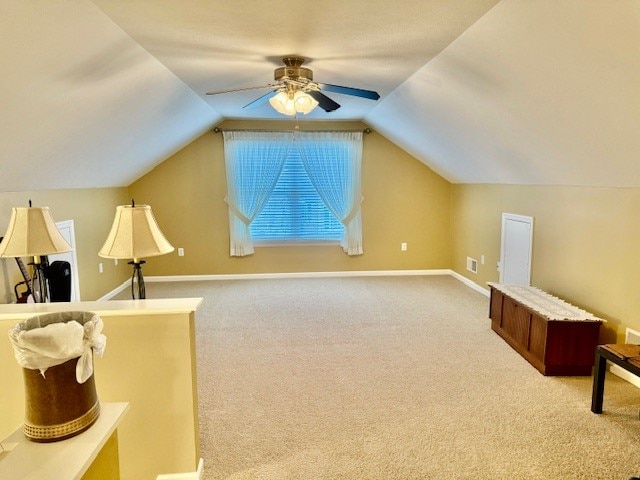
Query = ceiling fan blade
x=217 y=92
x=261 y=100
x=356 y=92
x=324 y=102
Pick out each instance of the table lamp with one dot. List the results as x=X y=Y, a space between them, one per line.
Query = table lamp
x=32 y=232
x=135 y=235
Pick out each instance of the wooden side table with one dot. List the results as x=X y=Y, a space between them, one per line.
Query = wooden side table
x=625 y=356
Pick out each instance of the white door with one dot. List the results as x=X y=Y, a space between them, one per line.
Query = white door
x=515 y=249
x=67 y=230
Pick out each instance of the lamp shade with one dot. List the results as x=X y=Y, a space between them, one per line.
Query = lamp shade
x=31 y=233
x=135 y=234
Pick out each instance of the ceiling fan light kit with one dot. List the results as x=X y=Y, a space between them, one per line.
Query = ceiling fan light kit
x=292 y=102
x=295 y=91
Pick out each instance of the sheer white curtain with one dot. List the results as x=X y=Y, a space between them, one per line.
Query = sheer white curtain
x=333 y=161
x=253 y=162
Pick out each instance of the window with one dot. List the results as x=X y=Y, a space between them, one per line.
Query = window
x=295 y=212
x=302 y=186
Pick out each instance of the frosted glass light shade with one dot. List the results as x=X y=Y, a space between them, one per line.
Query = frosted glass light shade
x=281 y=103
x=32 y=233
x=287 y=104
x=304 y=102
x=135 y=234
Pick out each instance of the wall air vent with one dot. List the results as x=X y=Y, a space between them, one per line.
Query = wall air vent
x=472 y=265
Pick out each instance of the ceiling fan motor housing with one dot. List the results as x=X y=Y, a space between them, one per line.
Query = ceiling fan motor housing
x=293 y=69
x=294 y=73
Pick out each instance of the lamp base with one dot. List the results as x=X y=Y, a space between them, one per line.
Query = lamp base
x=40 y=287
x=137 y=277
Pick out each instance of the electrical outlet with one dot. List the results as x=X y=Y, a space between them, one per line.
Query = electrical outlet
x=100 y=267
x=115 y=261
x=403 y=246
x=482 y=259
x=181 y=252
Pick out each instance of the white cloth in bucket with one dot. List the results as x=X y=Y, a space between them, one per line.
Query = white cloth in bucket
x=61 y=338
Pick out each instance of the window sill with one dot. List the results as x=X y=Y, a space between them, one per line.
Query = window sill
x=296 y=243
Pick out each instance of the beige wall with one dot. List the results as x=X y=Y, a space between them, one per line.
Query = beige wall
x=92 y=211
x=585 y=246
x=405 y=201
x=584 y=238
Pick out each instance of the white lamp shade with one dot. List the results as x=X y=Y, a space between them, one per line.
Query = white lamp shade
x=32 y=233
x=135 y=234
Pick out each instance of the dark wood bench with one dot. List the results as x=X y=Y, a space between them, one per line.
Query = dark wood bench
x=554 y=336
x=626 y=356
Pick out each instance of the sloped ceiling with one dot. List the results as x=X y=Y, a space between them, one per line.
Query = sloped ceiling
x=536 y=92
x=96 y=93
x=81 y=103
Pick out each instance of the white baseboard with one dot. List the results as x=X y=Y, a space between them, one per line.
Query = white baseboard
x=115 y=291
x=622 y=373
x=486 y=292
x=197 y=475
x=256 y=276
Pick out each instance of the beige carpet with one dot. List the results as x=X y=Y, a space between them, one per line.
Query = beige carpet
x=388 y=378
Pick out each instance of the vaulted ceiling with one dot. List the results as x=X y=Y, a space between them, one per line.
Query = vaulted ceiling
x=96 y=93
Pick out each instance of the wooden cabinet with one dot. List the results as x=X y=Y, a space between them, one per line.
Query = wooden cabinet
x=554 y=336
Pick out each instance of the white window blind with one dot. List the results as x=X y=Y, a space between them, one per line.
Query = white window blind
x=295 y=212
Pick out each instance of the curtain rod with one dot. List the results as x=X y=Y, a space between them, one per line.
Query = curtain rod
x=219 y=130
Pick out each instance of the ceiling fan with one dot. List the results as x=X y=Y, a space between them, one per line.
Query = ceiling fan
x=295 y=91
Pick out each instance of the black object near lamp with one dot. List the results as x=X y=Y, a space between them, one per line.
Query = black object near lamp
x=135 y=235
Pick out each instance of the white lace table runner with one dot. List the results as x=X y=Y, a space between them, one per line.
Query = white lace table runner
x=553 y=308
